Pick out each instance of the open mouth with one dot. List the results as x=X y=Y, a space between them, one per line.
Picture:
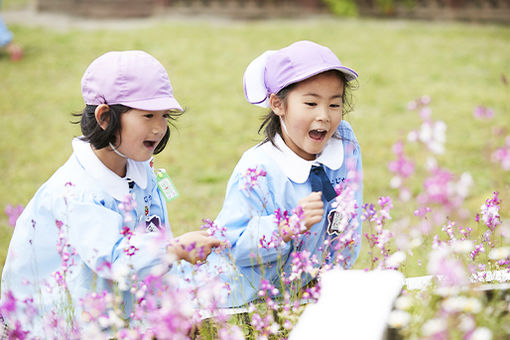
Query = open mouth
x=149 y=144
x=317 y=134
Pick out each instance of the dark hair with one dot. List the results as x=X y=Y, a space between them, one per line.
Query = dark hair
x=271 y=122
x=99 y=138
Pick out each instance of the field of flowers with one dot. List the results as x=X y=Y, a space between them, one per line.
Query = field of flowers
x=436 y=168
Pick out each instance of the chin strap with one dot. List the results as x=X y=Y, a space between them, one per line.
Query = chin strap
x=117 y=151
x=284 y=127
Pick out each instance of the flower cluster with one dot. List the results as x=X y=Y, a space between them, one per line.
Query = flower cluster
x=251 y=177
x=461 y=255
x=402 y=168
x=502 y=155
x=431 y=133
x=379 y=238
x=13 y=213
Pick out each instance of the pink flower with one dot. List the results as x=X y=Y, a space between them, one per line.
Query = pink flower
x=17 y=332
x=449 y=270
x=437 y=187
x=483 y=113
x=490 y=212
x=13 y=213
x=127 y=205
x=251 y=176
x=131 y=250
x=8 y=304
x=502 y=155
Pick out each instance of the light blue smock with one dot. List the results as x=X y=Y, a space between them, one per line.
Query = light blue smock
x=84 y=195
x=249 y=215
x=5 y=34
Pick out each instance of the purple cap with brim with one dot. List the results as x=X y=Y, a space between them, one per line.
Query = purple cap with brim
x=131 y=78
x=274 y=70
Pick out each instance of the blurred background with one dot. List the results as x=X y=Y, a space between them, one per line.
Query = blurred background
x=456 y=52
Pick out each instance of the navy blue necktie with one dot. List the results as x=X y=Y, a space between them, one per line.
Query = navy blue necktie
x=131 y=183
x=320 y=182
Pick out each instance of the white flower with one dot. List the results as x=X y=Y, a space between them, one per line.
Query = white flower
x=403 y=302
x=448 y=291
x=404 y=195
x=472 y=305
x=416 y=242
x=395 y=182
x=463 y=246
x=396 y=259
x=467 y=323
x=499 y=253
x=399 y=319
x=433 y=326
x=431 y=163
x=120 y=274
x=412 y=136
x=425 y=134
x=274 y=328
x=454 y=304
x=458 y=304
x=482 y=333
x=436 y=147
x=464 y=183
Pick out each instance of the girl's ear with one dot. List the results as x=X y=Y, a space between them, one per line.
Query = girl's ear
x=102 y=119
x=276 y=105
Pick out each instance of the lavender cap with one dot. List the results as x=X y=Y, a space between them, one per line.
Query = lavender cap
x=131 y=78
x=274 y=70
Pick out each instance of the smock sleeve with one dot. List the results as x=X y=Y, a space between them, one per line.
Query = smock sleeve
x=95 y=231
x=248 y=213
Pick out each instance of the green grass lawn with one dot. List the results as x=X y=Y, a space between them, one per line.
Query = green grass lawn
x=458 y=65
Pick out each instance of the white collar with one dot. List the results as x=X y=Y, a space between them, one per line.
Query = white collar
x=113 y=184
x=298 y=169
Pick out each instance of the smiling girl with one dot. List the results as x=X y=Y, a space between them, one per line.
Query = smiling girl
x=101 y=219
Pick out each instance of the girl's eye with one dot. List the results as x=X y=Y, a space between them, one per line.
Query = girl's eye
x=334 y=106
x=311 y=104
x=166 y=115
x=149 y=115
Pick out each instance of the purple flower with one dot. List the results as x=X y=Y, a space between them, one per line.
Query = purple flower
x=483 y=113
x=437 y=187
x=251 y=176
x=490 y=212
x=131 y=250
x=17 y=332
x=502 y=155
x=8 y=305
x=13 y=213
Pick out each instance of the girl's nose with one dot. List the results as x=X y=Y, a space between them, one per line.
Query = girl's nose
x=160 y=127
x=323 y=114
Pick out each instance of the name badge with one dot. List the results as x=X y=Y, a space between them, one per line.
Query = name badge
x=166 y=186
x=335 y=226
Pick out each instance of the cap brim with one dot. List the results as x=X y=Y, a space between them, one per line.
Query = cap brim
x=350 y=74
x=155 y=104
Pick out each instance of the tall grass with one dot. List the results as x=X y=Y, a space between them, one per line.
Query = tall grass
x=459 y=65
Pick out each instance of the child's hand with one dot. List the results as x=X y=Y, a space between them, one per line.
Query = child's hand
x=193 y=246
x=313 y=209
